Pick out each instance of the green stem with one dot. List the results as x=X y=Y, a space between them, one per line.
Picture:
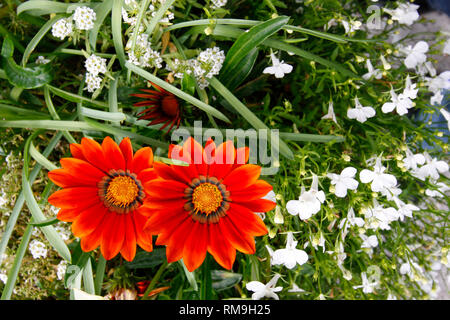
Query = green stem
x=155 y=280
x=99 y=274
x=206 y=290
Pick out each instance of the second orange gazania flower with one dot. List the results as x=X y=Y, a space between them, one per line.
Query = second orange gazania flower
x=102 y=195
x=207 y=206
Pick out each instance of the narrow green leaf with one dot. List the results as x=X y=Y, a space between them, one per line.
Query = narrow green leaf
x=250 y=117
x=47 y=222
x=7 y=47
x=43 y=161
x=27 y=78
x=47 y=124
x=116 y=28
x=9 y=112
x=201 y=105
x=101 y=12
x=99 y=275
x=190 y=276
x=102 y=115
x=247 y=42
x=241 y=71
x=144 y=260
x=75 y=97
x=88 y=278
x=223 y=280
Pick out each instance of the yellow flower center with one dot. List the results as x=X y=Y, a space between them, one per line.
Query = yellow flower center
x=206 y=198
x=122 y=191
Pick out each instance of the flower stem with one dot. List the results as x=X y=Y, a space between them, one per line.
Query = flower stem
x=155 y=280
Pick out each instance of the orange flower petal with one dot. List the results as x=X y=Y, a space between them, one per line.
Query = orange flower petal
x=239 y=240
x=78 y=197
x=225 y=155
x=112 y=237
x=194 y=251
x=246 y=221
x=88 y=220
x=77 y=151
x=127 y=151
x=256 y=191
x=128 y=250
x=259 y=205
x=241 y=177
x=220 y=248
x=93 y=152
x=143 y=159
x=112 y=154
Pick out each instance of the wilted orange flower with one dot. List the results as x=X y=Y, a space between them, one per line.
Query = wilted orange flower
x=102 y=195
x=209 y=205
x=164 y=107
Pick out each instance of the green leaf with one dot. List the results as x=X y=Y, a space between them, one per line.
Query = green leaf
x=242 y=70
x=247 y=42
x=102 y=11
x=190 y=276
x=144 y=259
x=116 y=28
x=9 y=112
x=188 y=84
x=223 y=280
x=7 y=47
x=27 y=78
x=75 y=97
x=47 y=222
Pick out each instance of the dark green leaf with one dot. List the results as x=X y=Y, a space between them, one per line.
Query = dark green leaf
x=27 y=78
x=47 y=222
x=144 y=259
x=242 y=70
x=223 y=279
x=7 y=47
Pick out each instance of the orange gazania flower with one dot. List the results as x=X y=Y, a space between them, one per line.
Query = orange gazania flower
x=102 y=195
x=164 y=107
x=209 y=205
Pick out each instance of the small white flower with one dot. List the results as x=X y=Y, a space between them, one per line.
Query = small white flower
x=369 y=241
x=431 y=169
x=218 y=3
x=366 y=285
x=84 y=18
x=37 y=249
x=41 y=60
x=269 y=196
x=308 y=203
x=415 y=55
x=3 y=277
x=330 y=114
x=400 y=103
x=343 y=181
x=264 y=290
x=360 y=112
x=442 y=189
x=295 y=288
x=62 y=28
x=404 y=210
x=351 y=26
x=446 y=115
x=379 y=180
x=61 y=269
x=411 y=160
x=410 y=90
x=279 y=69
x=405 y=13
x=371 y=72
x=317 y=241
x=93 y=82
x=350 y=221
x=379 y=217
x=95 y=65
x=290 y=256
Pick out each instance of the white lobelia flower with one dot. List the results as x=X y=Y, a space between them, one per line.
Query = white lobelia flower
x=360 y=112
x=410 y=90
x=317 y=241
x=264 y=290
x=367 y=286
x=295 y=288
x=290 y=256
x=344 y=181
x=426 y=68
x=405 y=13
x=435 y=86
x=308 y=203
x=446 y=115
x=369 y=241
x=404 y=210
x=415 y=55
x=37 y=249
x=3 y=277
x=371 y=72
x=62 y=28
x=379 y=217
x=41 y=60
x=411 y=160
x=95 y=65
x=379 y=180
x=391 y=192
x=278 y=68
x=441 y=190
x=84 y=18
x=431 y=169
x=350 y=221
x=351 y=26
x=330 y=114
x=400 y=103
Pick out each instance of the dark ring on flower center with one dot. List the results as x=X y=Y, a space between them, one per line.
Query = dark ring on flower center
x=207 y=199
x=121 y=191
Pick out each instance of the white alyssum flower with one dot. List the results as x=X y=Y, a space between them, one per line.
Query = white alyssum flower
x=62 y=28
x=93 y=82
x=218 y=3
x=84 y=18
x=344 y=181
x=367 y=286
x=360 y=112
x=330 y=114
x=411 y=160
x=415 y=55
x=441 y=190
x=401 y=103
x=278 y=68
x=411 y=269
x=317 y=240
x=95 y=65
x=431 y=169
x=369 y=241
x=378 y=179
x=264 y=290
x=41 y=60
x=308 y=203
x=61 y=269
x=403 y=209
x=371 y=72
x=143 y=55
x=37 y=249
x=290 y=256
x=208 y=64
x=63 y=232
x=405 y=13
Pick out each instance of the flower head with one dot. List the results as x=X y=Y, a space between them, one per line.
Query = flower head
x=344 y=181
x=62 y=28
x=95 y=65
x=163 y=107
x=262 y=290
x=102 y=195
x=360 y=112
x=84 y=18
x=405 y=13
x=379 y=180
x=290 y=256
x=37 y=249
x=208 y=205
x=400 y=103
x=278 y=68
x=415 y=55
x=330 y=114
x=308 y=203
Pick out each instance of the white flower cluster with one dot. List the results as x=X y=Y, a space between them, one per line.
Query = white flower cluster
x=131 y=10
x=84 y=18
x=94 y=66
x=61 y=269
x=143 y=55
x=37 y=249
x=215 y=4
x=405 y=13
x=207 y=64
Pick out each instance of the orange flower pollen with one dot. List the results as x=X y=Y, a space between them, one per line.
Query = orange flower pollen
x=206 y=198
x=122 y=191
